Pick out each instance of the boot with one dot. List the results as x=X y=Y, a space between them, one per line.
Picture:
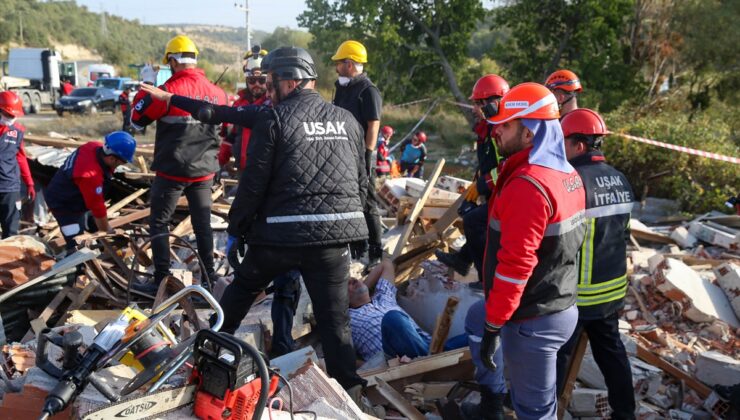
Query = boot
x=453 y=261
x=491 y=407
x=364 y=404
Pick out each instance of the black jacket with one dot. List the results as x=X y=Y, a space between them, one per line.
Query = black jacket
x=304 y=182
x=602 y=280
x=360 y=97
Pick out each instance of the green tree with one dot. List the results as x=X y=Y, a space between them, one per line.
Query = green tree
x=586 y=36
x=416 y=48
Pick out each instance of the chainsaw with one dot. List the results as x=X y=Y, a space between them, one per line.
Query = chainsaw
x=229 y=381
x=135 y=339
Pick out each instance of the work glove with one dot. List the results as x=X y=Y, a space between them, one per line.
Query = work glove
x=369 y=159
x=357 y=249
x=490 y=345
x=31 y=194
x=234 y=251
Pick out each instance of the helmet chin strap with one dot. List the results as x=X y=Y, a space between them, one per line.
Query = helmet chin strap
x=570 y=96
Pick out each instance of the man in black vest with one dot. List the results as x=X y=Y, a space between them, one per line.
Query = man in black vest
x=299 y=201
x=356 y=93
x=602 y=280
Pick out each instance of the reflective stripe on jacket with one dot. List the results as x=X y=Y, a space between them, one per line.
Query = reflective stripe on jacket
x=602 y=274
x=535 y=231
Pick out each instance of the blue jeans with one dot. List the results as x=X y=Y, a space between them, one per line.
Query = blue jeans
x=530 y=352
x=492 y=379
x=401 y=337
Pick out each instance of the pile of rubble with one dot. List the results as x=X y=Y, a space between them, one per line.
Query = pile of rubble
x=679 y=324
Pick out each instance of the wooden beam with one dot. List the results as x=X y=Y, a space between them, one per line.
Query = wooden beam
x=417 y=366
x=124 y=202
x=444 y=322
x=150 y=177
x=657 y=361
x=574 y=366
x=398 y=401
x=50 y=141
x=416 y=210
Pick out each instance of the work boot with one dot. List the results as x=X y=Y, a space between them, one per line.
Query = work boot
x=454 y=261
x=356 y=394
x=491 y=407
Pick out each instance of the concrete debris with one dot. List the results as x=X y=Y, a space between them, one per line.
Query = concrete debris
x=589 y=403
x=683 y=238
x=702 y=300
x=715 y=368
x=728 y=278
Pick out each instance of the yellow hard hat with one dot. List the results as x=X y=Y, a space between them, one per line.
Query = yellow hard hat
x=351 y=50
x=177 y=45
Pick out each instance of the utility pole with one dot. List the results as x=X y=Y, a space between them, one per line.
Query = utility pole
x=245 y=9
x=20 y=18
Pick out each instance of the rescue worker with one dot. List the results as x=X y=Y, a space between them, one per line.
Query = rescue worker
x=486 y=97
x=535 y=231
x=413 y=156
x=602 y=282
x=13 y=164
x=76 y=193
x=125 y=102
x=237 y=139
x=299 y=201
x=355 y=92
x=66 y=87
x=184 y=157
x=564 y=84
x=384 y=158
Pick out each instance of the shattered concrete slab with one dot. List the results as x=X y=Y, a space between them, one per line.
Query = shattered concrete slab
x=683 y=237
x=728 y=278
x=702 y=300
x=586 y=402
x=715 y=368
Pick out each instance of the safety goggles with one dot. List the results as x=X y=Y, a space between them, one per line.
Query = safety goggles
x=253 y=80
x=489 y=106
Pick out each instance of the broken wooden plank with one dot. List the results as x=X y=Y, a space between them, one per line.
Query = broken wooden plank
x=49 y=141
x=442 y=329
x=126 y=201
x=418 y=206
x=574 y=366
x=417 y=366
x=398 y=401
x=657 y=361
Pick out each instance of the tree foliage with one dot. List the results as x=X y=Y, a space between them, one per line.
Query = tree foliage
x=415 y=48
x=585 y=36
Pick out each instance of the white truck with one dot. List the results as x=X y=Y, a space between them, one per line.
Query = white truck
x=33 y=73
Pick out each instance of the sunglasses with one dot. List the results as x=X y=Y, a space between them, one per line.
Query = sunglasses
x=254 y=80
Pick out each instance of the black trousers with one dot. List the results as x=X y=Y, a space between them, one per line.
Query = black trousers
x=475 y=228
x=611 y=357
x=325 y=271
x=372 y=216
x=73 y=224
x=284 y=304
x=10 y=215
x=127 y=121
x=164 y=196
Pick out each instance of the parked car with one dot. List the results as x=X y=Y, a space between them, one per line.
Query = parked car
x=115 y=84
x=88 y=100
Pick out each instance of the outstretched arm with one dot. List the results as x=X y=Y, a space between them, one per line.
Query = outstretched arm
x=208 y=113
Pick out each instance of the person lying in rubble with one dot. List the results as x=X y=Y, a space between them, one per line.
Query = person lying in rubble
x=379 y=324
x=76 y=193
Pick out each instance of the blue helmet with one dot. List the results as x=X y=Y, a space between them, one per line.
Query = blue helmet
x=120 y=144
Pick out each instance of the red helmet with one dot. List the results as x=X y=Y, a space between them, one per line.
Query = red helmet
x=421 y=136
x=527 y=100
x=11 y=104
x=489 y=85
x=387 y=130
x=583 y=121
x=565 y=80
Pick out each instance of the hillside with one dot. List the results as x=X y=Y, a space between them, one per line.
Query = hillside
x=83 y=35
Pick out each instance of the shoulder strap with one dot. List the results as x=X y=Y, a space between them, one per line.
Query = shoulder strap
x=541 y=189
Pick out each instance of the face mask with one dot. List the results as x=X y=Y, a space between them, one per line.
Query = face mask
x=7 y=121
x=344 y=81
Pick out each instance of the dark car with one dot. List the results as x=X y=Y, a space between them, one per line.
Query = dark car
x=87 y=100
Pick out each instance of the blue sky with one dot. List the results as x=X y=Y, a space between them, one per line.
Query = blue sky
x=266 y=15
